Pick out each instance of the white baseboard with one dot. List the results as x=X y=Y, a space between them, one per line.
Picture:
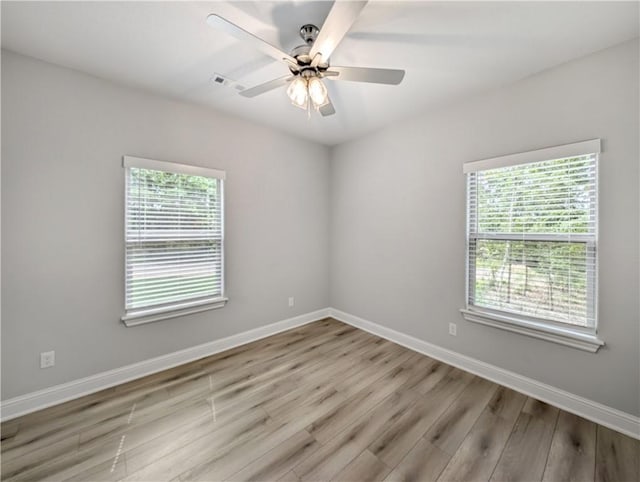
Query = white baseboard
x=15 y=407
x=609 y=417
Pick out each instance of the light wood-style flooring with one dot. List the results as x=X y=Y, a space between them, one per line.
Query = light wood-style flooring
x=322 y=402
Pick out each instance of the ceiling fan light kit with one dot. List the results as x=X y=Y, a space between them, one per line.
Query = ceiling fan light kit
x=306 y=91
x=309 y=63
x=317 y=92
x=297 y=92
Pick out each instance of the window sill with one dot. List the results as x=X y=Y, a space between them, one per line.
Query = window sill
x=143 y=316
x=563 y=336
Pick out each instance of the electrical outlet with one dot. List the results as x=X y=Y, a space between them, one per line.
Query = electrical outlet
x=47 y=359
x=292 y=301
x=453 y=329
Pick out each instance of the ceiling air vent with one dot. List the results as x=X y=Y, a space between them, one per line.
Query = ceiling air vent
x=219 y=79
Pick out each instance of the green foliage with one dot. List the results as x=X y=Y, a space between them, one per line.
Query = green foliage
x=546 y=279
x=543 y=197
x=165 y=200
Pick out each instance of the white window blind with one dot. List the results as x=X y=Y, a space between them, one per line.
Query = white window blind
x=531 y=239
x=174 y=237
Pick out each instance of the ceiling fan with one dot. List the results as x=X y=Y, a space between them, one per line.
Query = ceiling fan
x=309 y=63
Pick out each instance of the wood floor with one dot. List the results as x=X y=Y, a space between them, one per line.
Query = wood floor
x=322 y=402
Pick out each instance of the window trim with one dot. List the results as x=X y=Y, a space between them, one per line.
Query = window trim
x=172 y=310
x=574 y=336
x=173 y=167
x=149 y=315
x=576 y=149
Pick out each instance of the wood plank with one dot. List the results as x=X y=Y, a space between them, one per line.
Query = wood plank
x=166 y=456
x=187 y=419
x=90 y=407
x=267 y=351
x=9 y=429
x=32 y=437
x=424 y=462
x=260 y=397
x=65 y=466
x=220 y=466
x=316 y=378
x=617 y=457
x=184 y=402
x=480 y=451
x=328 y=426
x=506 y=404
x=402 y=434
x=111 y=470
x=37 y=431
x=573 y=450
x=22 y=462
x=278 y=462
x=289 y=477
x=525 y=454
x=335 y=455
x=452 y=427
x=380 y=360
x=187 y=423
x=427 y=373
x=365 y=466
x=314 y=396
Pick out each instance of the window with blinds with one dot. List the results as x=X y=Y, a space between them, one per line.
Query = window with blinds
x=531 y=237
x=173 y=239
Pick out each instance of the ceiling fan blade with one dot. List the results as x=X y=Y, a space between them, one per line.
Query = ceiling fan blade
x=267 y=86
x=327 y=109
x=432 y=40
x=232 y=29
x=338 y=22
x=364 y=74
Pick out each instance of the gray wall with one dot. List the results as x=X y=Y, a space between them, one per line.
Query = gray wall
x=63 y=137
x=398 y=220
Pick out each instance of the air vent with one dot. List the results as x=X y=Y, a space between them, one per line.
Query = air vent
x=222 y=80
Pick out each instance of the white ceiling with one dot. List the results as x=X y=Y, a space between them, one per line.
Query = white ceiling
x=448 y=49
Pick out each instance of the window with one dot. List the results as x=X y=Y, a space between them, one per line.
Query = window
x=174 y=241
x=532 y=243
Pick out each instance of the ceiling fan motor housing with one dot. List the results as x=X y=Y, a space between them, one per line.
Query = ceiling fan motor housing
x=309 y=33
